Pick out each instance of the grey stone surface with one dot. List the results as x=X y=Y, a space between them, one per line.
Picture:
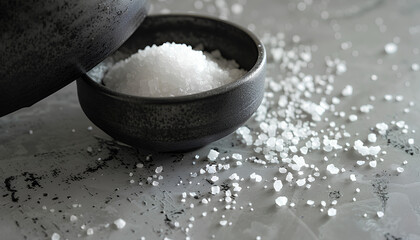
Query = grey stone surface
x=57 y=165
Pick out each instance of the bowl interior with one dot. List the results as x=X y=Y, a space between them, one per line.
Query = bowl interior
x=232 y=41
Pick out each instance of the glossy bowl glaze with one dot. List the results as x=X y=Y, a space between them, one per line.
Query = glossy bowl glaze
x=185 y=122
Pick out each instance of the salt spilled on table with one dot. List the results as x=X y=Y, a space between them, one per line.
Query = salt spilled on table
x=169 y=70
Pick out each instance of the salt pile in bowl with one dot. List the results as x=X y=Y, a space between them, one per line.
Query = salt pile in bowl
x=171 y=70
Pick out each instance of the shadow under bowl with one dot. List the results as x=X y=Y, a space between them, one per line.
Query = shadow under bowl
x=168 y=124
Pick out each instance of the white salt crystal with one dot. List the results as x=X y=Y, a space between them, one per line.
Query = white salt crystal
x=400 y=169
x=415 y=67
x=73 y=218
x=289 y=177
x=410 y=141
x=89 y=231
x=234 y=176
x=237 y=8
x=282 y=170
x=301 y=182
x=171 y=70
x=119 y=223
x=332 y=169
x=388 y=97
x=213 y=154
x=391 y=48
x=374 y=77
x=55 y=236
x=332 y=212
x=366 y=108
x=310 y=202
x=223 y=223
x=347 y=91
x=215 y=190
x=214 y=179
x=281 y=201
x=372 y=137
x=373 y=164
x=382 y=128
x=352 y=177
x=256 y=177
x=353 y=118
x=158 y=169
x=237 y=156
x=380 y=214
x=278 y=185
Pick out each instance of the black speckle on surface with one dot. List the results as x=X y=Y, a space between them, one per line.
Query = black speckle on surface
x=8 y=183
x=335 y=194
x=380 y=187
x=389 y=236
x=397 y=139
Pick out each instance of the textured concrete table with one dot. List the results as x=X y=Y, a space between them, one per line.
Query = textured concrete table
x=52 y=166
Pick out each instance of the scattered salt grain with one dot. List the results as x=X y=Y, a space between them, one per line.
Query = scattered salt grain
x=55 y=236
x=73 y=218
x=214 y=179
x=119 y=223
x=380 y=214
x=89 y=231
x=347 y=91
x=215 y=190
x=372 y=137
x=332 y=212
x=391 y=48
x=213 y=154
x=159 y=169
x=281 y=201
x=278 y=185
x=353 y=118
x=256 y=177
x=332 y=169
x=400 y=169
x=352 y=177
x=223 y=223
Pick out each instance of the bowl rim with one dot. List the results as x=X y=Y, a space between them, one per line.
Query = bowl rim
x=257 y=67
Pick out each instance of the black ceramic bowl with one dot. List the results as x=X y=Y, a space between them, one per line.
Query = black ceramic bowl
x=185 y=122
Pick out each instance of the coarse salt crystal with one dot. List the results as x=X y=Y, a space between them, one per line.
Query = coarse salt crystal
x=352 y=177
x=372 y=137
x=159 y=169
x=73 y=218
x=380 y=214
x=332 y=169
x=55 y=236
x=281 y=201
x=213 y=154
x=391 y=48
x=347 y=91
x=256 y=177
x=332 y=212
x=215 y=190
x=214 y=179
x=353 y=118
x=278 y=185
x=89 y=231
x=120 y=223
